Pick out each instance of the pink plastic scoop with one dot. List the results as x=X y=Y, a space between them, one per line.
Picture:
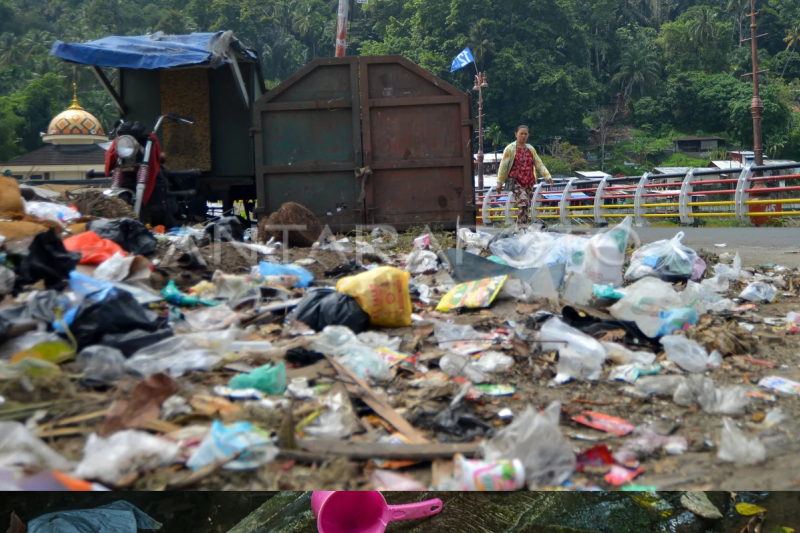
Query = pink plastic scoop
x=342 y=511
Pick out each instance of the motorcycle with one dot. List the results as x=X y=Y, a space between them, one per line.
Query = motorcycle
x=135 y=164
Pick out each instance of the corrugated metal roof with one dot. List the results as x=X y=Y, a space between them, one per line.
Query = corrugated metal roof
x=59 y=155
x=700 y=139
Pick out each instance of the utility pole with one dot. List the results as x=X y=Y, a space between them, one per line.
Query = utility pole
x=341 y=28
x=480 y=84
x=757 y=106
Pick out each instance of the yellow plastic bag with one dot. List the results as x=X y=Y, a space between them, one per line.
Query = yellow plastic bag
x=472 y=295
x=383 y=294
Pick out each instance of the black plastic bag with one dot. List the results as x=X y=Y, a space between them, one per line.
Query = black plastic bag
x=326 y=307
x=116 y=312
x=132 y=341
x=47 y=260
x=597 y=326
x=303 y=357
x=130 y=234
x=39 y=306
x=228 y=229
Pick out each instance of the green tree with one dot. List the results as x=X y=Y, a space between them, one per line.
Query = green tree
x=37 y=104
x=481 y=41
x=792 y=39
x=172 y=23
x=10 y=123
x=638 y=67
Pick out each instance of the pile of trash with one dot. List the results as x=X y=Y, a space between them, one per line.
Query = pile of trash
x=514 y=360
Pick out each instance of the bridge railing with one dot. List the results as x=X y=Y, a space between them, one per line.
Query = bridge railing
x=740 y=193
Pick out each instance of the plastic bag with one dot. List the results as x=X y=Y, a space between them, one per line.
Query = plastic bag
x=524 y=251
x=667 y=260
x=736 y=447
x=116 y=268
x=621 y=355
x=730 y=273
x=212 y=318
x=7 y=279
x=535 y=439
x=101 y=364
x=704 y=298
x=227 y=229
x=472 y=295
x=643 y=303
x=556 y=335
x=182 y=353
x=759 y=292
x=376 y=339
x=269 y=379
x=272 y=269
x=578 y=289
x=455 y=365
x=659 y=385
x=686 y=353
x=421 y=261
x=464 y=340
x=47 y=260
x=325 y=307
x=677 y=320
x=383 y=294
x=131 y=234
x=51 y=211
x=223 y=442
x=114 y=311
x=20 y=448
x=113 y=458
x=699 y=390
x=117 y=517
x=338 y=421
x=699 y=269
x=605 y=255
x=493 y=361
x=341 y=343
x=93 y=249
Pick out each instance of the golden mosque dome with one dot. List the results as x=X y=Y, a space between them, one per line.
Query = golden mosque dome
x=75 y=125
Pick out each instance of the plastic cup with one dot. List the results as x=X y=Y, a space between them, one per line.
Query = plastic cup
x=364 y=511
x=498 y=476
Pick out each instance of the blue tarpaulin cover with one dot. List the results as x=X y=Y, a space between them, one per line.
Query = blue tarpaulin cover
x=157 y=51
x=117 y=517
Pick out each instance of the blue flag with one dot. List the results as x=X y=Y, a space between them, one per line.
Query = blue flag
x=462 y=60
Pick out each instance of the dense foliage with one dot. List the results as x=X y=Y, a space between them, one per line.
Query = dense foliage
x=664 y=67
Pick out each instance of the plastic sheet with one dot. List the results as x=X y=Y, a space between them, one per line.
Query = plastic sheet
x=736 y=447
x=341 y=343
x=183 y=353
x=123 y=453
x=272 y=269
x=223 y=442
x=535 y=439
x=667 y=260
x=20 y=448
x=643 y=303
x=116 y=517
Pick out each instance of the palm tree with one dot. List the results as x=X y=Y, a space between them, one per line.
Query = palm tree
x=480 y=41
x=703 y=27
x=11 y=50
x=737 y=9
x=638 y=66
x=495 y=135
x=792 y=39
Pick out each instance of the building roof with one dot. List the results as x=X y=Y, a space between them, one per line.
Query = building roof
x=592 y=174
x=726 y=164
x=671 y=170
x=60 y=155
x=700 y=139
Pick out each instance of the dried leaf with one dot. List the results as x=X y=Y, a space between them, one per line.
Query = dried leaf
x=142 y=405
x=16 y=525
x=749 y=509
x=613 y=335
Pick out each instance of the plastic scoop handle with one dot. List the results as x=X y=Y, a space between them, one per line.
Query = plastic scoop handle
x=413 y=511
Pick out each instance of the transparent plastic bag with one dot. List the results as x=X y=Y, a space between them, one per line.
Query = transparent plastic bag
x=699 y=390
x=667 y=260
x=338 y=420
x=643 y=303
x=659 y=385
x=736 y=447
x=222 y=442
x=421 y=261
x=618 y=354
x=605 y=255
x=726 y=273
x=19 y=447
x=686 y=353
x=535 y=439
x=759 y=292
x=677 y=320
x=212 y=318
x=101 y=364
x=493 y=361
x=578 y=289
x=529 y=250
x=340 y=342
x=455 y=365
x=703 y=297
x=183 y=353
x=580 y=356
x=464 y=340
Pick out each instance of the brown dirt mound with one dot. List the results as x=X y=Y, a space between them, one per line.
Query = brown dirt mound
x=94 y=203
x=292 y=214
x=10 y=195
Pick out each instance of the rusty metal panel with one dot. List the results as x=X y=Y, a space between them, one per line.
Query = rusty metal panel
x=417 y=132
x=308 y=143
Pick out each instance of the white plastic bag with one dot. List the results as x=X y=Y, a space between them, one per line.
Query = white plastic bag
x=493 y=361
x=580 y=356
x=21 y=448
x=759 y=292
x=340 y=342
x=421 y=261
x=183 y=353
x=643 y=303
x=535 y=439
x=687 y=354
x=579 y=289
x=123 y=453
x=605 y=255
x=667 y=260
x=115 y=268
x=524 y=251
x=725 y=273
x=454 y=364
x=736 y=447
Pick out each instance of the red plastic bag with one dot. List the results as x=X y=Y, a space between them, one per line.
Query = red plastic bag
x=92 y=248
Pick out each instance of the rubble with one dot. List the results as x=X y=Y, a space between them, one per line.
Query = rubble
x=129 y=356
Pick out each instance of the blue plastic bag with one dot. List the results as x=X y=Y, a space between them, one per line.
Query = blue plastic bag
x=271 y=269
x=677 y=320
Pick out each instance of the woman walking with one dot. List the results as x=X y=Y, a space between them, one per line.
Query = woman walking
x=522 y=164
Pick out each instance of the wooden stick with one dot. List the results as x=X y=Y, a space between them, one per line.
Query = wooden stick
x=321 y=450
x=378 y=405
